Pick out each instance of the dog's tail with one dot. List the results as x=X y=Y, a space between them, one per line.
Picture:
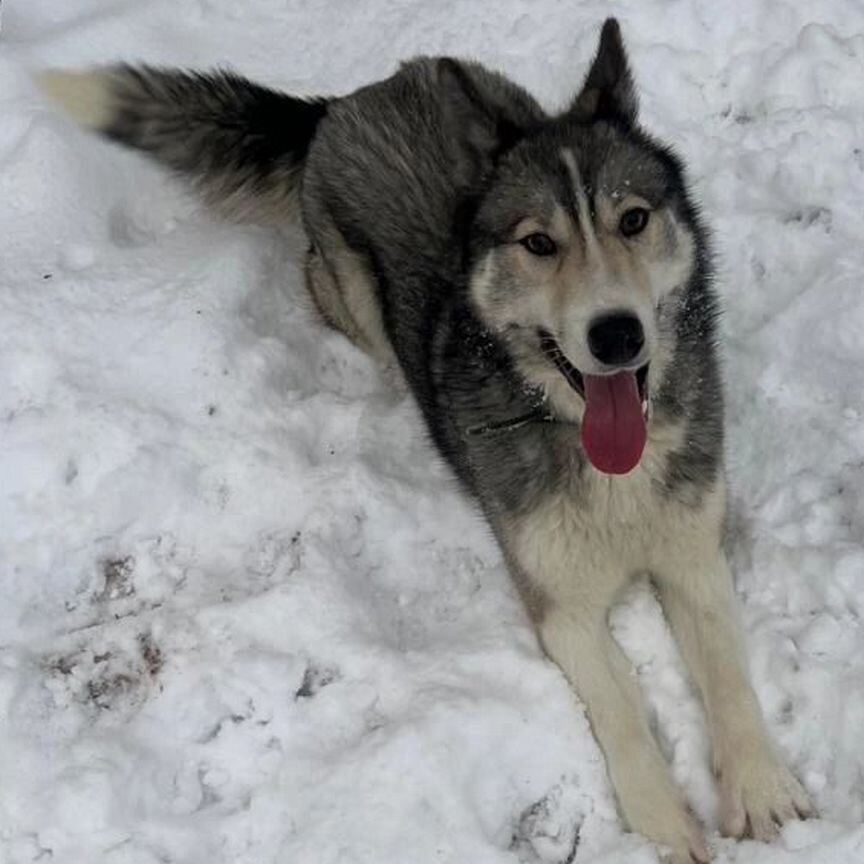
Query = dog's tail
x=240 y=144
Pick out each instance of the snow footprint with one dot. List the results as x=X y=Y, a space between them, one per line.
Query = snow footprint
x=547 y=832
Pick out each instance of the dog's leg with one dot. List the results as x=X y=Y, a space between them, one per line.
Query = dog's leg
x=649 y=800
x=757 y=790
x=343 y=286
x=570 y=579
x=323 y=288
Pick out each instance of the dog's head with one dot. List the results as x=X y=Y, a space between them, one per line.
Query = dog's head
x=582 y=248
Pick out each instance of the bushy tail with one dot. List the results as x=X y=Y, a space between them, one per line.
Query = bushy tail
x=242 y=145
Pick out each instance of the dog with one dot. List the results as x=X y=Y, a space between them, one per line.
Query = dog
x=544 y=282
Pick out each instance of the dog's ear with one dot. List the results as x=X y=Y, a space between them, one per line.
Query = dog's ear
x=471 y=118
x=608 y=92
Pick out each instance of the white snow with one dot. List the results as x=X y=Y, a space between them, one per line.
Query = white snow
x=246 y=615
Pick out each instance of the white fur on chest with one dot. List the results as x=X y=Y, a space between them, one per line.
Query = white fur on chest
x=588 y=542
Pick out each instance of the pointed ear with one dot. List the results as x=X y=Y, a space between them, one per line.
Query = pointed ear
x=608 y=91
x=470 y=115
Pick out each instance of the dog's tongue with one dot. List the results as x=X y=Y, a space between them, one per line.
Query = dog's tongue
x=613 y=429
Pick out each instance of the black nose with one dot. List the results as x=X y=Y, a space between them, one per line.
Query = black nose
x=616 y=339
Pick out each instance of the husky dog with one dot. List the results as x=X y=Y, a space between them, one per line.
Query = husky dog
x=544 y=282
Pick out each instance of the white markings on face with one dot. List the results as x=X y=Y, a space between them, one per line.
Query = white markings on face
x=586 y=224
x=605 y=283
x=483 y=282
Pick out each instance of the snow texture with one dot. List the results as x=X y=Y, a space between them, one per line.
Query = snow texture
x=246 y=615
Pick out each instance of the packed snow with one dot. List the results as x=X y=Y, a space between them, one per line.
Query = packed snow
x=247 y=616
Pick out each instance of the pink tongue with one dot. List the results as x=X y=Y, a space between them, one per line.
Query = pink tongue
x=613 y=429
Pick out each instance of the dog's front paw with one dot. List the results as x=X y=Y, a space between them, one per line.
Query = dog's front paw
x=758 y=794
x=665 y=821
x=682 y=840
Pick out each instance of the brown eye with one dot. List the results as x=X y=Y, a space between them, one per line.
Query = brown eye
x=539 y=244
x=633 y=221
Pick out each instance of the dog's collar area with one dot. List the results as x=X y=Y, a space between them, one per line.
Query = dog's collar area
x=543 y=415
x=512 y=423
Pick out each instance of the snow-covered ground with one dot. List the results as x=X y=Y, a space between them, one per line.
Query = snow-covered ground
x=246 y=617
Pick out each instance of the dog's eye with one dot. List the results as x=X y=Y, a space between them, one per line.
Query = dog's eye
x=539 y=244
x=633 y=221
